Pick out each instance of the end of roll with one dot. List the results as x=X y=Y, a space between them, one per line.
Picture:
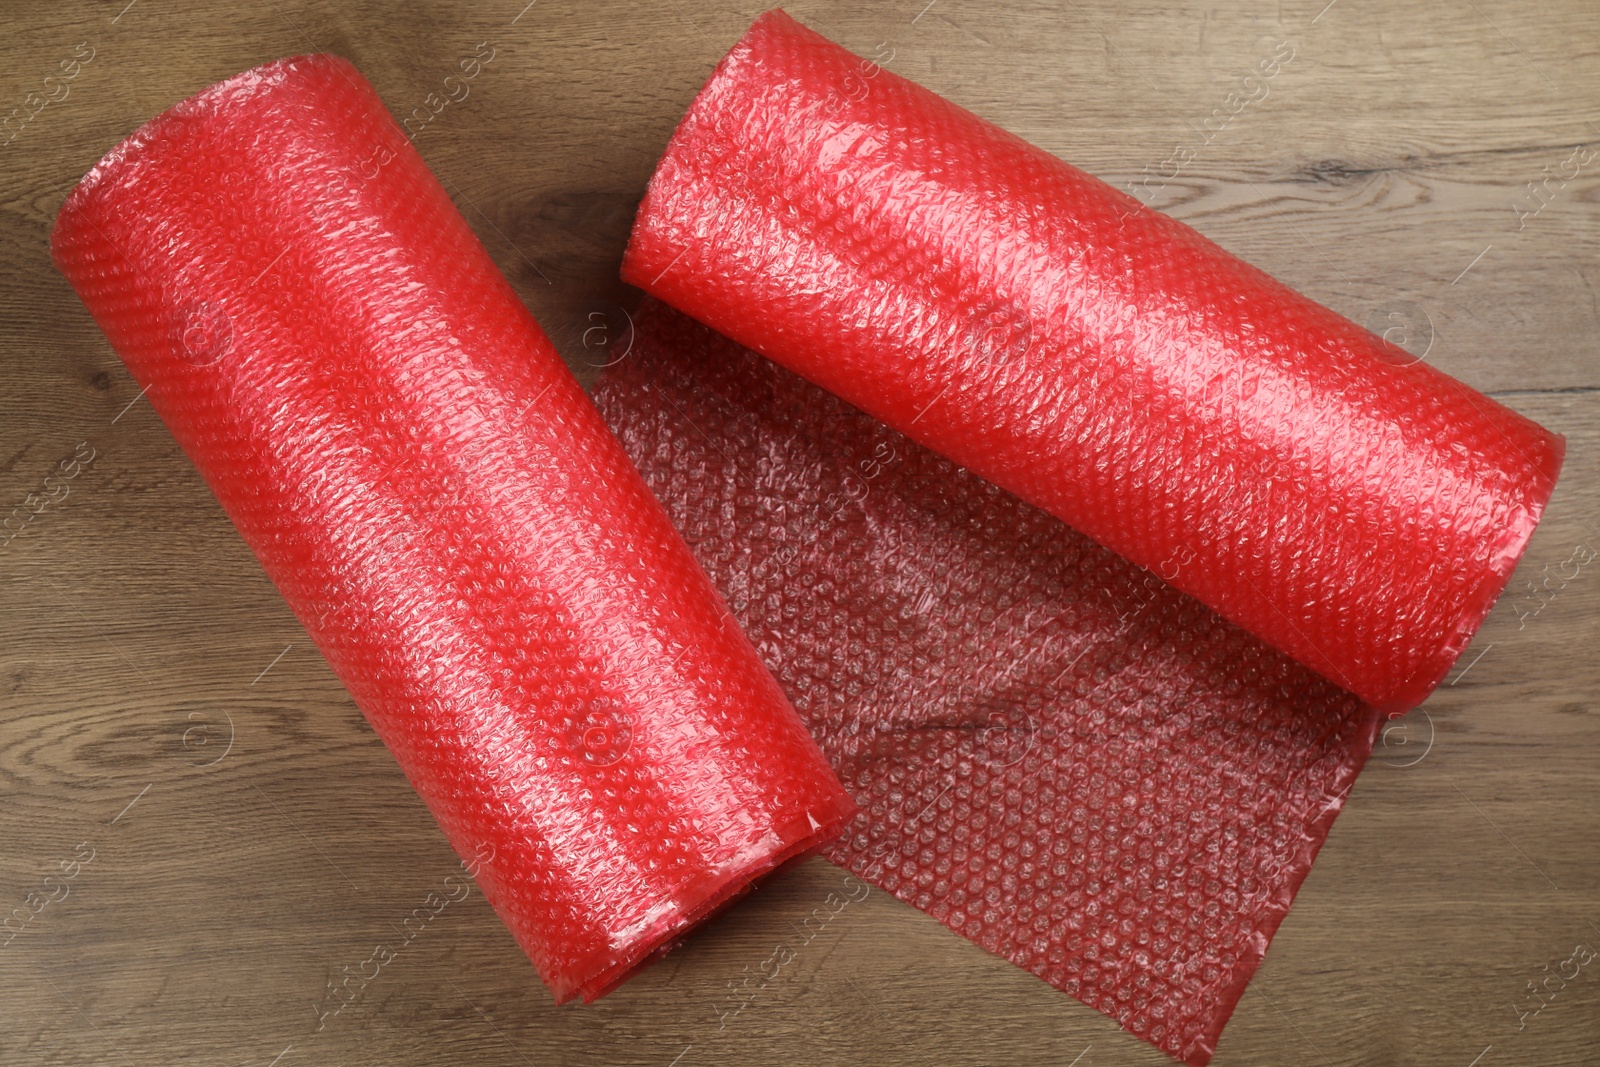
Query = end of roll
x=212 y=100
x=787 y=848
x=1503 y=557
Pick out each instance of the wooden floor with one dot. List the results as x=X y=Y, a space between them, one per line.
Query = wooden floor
x=229 y=834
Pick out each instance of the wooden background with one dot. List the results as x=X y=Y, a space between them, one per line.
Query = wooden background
x=162 y=712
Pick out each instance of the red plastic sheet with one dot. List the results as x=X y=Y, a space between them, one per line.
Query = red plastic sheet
x=1057 y=754
x=1163 y=779
x=447 y=515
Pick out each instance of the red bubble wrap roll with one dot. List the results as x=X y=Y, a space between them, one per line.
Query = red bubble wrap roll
x=1353 y=507
x=1060 y=756
x=447 y=515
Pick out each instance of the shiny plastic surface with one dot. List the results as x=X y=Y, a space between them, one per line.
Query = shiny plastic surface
x=1058 y=756
x=1353 y=507
x=447 y=515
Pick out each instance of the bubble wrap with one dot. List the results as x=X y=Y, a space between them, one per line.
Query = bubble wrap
x=1353 y=507
x=447 y=515
x=1058 y=755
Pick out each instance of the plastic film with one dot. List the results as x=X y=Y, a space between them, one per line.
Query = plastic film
x=1057 y=755
x=1107 y=752
x=1350 y=505
x=447 y=515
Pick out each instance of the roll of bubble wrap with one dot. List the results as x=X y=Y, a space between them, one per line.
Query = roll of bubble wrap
x=1062 y=756
x=447 y=515
x=1349 y=504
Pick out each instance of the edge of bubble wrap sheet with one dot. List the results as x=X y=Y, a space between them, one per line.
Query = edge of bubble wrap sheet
x=690 y=904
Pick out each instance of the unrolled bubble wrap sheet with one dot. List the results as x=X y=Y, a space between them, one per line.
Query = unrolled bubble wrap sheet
x=447 y=515
x=1165 y=773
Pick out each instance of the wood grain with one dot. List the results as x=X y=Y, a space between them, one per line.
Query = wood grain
x=229 y=884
